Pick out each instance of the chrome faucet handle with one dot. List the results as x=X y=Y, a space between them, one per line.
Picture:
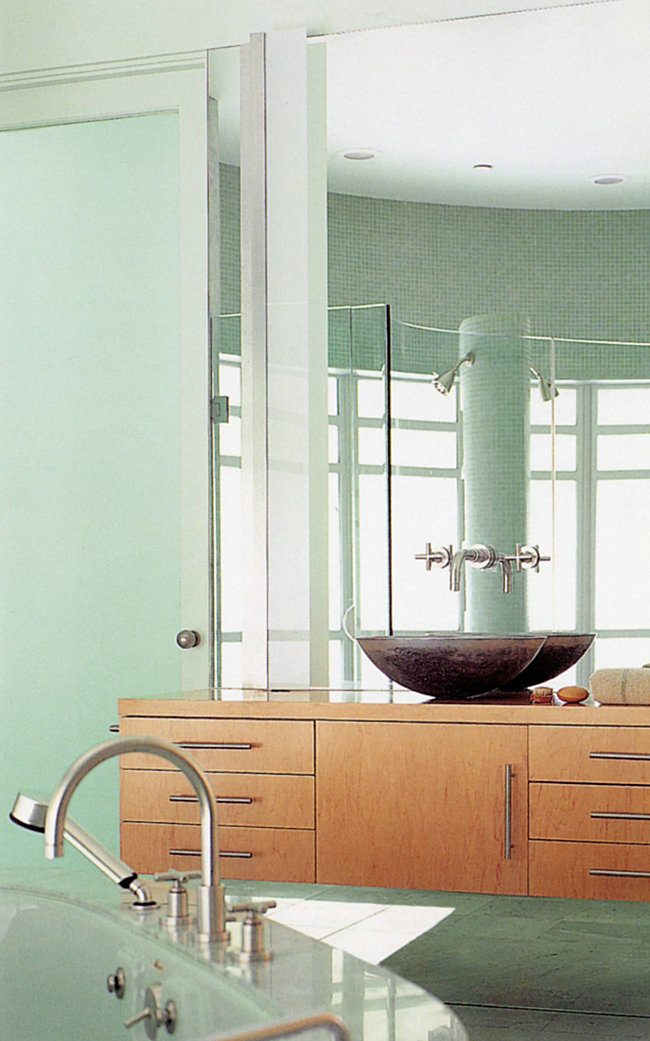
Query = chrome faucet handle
x=252 y=907
x=179 y=877
x=252 y=937
x=154 y=1014
x=178 y=909
x=440 y=556
x=528 y=557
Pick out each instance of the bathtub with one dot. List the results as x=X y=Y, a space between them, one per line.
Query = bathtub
x=57 y=954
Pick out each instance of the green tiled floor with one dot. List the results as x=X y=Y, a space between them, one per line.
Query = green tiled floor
x=524 y=968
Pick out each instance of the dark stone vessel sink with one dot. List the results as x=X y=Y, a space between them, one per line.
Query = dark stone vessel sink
x=559 y=653
x=452 y=666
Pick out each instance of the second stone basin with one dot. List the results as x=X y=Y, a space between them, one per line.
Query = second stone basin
x=559 y=653
x=452 y=666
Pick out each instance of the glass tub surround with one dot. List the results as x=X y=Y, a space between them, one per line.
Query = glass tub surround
x=60 y=954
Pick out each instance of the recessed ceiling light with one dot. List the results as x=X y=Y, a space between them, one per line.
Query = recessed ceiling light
x=361 y=153
x=482 y=166
x=607 y=179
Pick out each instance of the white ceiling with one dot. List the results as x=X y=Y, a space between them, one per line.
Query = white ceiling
x=550 y=98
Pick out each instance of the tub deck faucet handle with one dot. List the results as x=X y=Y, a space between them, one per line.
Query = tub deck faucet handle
x=252 y=937
x=178 y=911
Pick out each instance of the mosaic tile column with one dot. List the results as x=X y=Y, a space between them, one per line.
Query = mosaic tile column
x=495 y=399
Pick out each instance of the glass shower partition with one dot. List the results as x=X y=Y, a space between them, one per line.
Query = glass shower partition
x=359 y=346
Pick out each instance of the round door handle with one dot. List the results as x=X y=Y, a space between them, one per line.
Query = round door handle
x=188 y=638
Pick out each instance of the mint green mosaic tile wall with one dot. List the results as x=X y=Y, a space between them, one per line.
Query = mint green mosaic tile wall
x=582 y=274
x=229 y=240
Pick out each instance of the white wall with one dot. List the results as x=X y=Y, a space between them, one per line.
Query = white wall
x=48 y=33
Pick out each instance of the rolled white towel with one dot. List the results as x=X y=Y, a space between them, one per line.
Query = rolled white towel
x=621 y=686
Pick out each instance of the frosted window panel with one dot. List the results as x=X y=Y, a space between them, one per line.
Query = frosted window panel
x=540 y=452
x=541 y=447
x=423 y=448
x=371 y=398
x=230 y=557
x=230 y=383
x=622 y=652
x=624 y=451
x=623 y=405
x=372 y=446
x=333 y=443
x=231 y=665
x=564 y=405
x=336 y=663
x=230 y=437
x=336 y=605
x=424 y=509
x=372 y=605
x=420 y=400
x=565 y=679
x=552 y=606
x=622 y=570
x=370 y=676
x=565 y=452
x=333 y=395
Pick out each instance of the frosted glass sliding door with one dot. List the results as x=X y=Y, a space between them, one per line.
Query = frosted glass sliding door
x=103 y=420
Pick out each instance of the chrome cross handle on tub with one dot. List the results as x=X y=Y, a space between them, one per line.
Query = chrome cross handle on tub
x=154 y=1014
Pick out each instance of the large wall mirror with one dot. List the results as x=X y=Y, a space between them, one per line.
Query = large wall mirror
x=488 y=194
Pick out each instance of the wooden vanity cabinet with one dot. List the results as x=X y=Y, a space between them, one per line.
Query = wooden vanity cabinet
x=262 y=772
x=590 y=812
x=422 y=806
x=477 y=798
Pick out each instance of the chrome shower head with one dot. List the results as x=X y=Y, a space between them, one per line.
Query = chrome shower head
x=445 y=381
x=547 y=388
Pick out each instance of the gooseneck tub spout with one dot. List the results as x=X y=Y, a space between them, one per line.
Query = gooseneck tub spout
x=211 y=901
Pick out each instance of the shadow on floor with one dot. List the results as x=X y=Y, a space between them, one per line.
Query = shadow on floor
x=523 y=968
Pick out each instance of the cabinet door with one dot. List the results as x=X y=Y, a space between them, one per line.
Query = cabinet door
x=422 y=806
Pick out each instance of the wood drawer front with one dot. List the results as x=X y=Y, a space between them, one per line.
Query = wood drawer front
x=589 y=812
x=275 y=746
x=565 y=869
x=269 y=854
x=253 y=800
x=593 y=755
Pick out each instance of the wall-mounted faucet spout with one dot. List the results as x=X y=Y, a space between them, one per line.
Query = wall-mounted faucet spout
x=506 y=573
x=211 y=902
x=479 y=556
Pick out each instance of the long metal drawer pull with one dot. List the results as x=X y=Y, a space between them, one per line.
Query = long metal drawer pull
x=239 y=800
x=216 y=746
x=197 y=853
x=621 y=816
x=631 y=756
x=507 y=851
x=619 y=874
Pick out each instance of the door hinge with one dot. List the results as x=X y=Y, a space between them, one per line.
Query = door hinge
x=220 y=409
